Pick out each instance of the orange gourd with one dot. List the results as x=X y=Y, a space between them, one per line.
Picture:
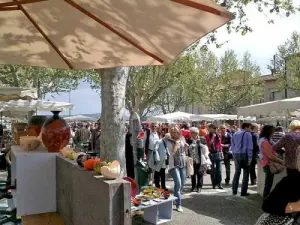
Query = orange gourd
x=90 y=163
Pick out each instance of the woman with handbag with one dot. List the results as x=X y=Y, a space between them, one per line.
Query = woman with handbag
x=199 y=154
x=177 y=162
x=269 y=161
x=214 y=144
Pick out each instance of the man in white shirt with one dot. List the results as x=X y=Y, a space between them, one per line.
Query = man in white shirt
x=151 y=137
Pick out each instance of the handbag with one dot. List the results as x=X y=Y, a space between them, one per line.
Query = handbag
x=275 y=167
x=270 y=219
x=189 y=166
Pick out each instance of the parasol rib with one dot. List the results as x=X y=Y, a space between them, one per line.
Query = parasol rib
x=17 y=3
x=44 y=35
x=90 y=15
x=204 y=8
x=11 y=8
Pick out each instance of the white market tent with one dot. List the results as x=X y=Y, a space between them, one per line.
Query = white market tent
x=80 y=118
x=14 y=93
x=23 y=108
x=214 y=117
x=174 y=117
x=35 y=105
x=275 y=109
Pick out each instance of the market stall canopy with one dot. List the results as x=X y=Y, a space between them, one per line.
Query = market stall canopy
x=174 y=117
x=285 y=107
x=84 y=34
x=34 y=105
x=80 y=118
x=13 y=93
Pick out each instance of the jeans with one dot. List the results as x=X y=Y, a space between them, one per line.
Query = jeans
x=239 y=165
x=197 y=178
x=160 y=177
x=269 y=178
x=227 y=167
x=179 y=177
x=216 y=173
x=253 y=170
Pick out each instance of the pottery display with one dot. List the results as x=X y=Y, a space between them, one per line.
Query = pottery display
x=40 y=138
x=75 y=155
x=66 y=151
x=29 y=142
x=55 y=133
x=111 y=172
x=82 y=158
x=35 y=124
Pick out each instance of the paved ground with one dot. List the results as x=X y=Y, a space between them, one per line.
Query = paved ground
x=210 y=207
x=216 y=207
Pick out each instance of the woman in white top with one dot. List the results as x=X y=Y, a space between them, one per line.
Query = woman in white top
x=177 y=162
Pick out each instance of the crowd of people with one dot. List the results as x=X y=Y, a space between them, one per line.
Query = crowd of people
x=178 y=148
x=209 y=145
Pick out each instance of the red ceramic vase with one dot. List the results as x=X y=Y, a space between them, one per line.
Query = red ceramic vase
x=35 y=125
x=55 y=133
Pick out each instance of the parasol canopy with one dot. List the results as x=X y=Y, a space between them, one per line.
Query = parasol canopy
x=83 y=34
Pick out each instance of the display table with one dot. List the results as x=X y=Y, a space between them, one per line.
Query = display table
x=35 y=175
x=157 y=212
x=51 y=189
x=261 y=179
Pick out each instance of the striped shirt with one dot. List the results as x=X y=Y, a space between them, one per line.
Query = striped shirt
x=276 y=136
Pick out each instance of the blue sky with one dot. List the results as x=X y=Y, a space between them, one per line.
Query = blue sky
x=261 y=43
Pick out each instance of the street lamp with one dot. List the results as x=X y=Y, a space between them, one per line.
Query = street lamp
x=69 y=102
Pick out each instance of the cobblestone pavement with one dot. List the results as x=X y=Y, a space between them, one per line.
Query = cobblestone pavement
x=215 y=207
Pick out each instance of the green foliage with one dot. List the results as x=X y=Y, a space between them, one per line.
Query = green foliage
x=45 y=79
x=225 y=83
x=241 y=22
x=155 y=88
x=287 y=63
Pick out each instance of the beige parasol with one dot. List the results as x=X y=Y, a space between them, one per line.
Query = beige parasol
x=103 y=33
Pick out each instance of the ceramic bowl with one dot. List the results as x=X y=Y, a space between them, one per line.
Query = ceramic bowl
x=29 y=142
x=111 y=172
x=20 y=126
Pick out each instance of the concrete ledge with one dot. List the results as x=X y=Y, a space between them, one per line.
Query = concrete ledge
x=85 y=198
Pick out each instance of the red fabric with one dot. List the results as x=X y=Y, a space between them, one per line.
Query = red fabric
x=186 y=134
x=218 y=143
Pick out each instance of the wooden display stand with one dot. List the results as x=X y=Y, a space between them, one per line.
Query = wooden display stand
x=53 y=190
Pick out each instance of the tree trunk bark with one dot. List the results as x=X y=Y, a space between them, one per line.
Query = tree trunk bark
x=112 y=140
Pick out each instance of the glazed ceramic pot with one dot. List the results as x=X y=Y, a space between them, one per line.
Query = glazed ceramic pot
x=35 y=124
x=55 y=133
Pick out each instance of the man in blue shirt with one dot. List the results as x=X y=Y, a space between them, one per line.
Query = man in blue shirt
x=242 y=150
